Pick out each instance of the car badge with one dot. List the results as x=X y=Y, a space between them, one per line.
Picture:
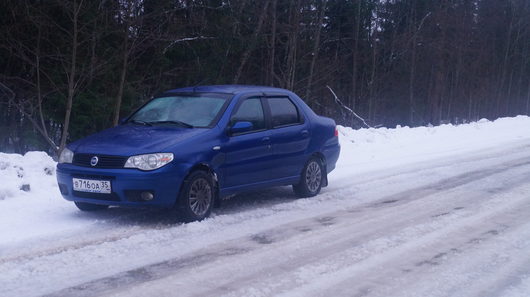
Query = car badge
x=94 y=161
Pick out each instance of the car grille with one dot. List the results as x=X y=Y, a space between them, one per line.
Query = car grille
x=103 y=162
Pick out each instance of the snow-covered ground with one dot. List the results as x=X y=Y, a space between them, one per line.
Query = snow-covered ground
x=429 y=211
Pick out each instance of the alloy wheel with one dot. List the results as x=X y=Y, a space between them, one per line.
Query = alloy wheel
x=313 y=176
x=200 y=197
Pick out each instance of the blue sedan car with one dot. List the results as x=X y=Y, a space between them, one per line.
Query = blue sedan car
x=188 y=147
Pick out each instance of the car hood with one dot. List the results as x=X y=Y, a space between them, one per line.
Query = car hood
x=128 y=140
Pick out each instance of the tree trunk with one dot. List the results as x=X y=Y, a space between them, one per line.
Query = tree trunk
x=315 y=51
x=39 y=93
x=125 y=60
x=253 y=40
x=292 y=45
x=119 y=97
x=502 y=80
x=528 y=100
x=71 y=77
x=412 y=107
x=271 y=74
x=355 y=66
x=371 y=102
x=412 y=73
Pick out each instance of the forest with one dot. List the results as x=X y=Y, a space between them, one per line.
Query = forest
x=69 y=68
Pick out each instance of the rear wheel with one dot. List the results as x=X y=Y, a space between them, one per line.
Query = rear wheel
x=90 y=207
x=196 y=197
x=311 y=179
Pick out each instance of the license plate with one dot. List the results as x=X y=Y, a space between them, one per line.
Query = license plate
x=92 y=186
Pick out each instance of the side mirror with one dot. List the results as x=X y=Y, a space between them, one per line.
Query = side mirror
x=122 y=121
x=240 y=127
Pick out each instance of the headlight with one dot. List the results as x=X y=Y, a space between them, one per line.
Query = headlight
x=149 y=161
x=66 y=156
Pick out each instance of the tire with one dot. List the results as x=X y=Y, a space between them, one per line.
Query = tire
x=90 y=207
x=197 y=197
x=311 y=179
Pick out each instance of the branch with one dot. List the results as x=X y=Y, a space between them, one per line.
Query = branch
x=185 y=39
x=337 y=100
x=5 y=89
x=421 y=25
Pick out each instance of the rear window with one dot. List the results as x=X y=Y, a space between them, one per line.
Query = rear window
x=283 y=112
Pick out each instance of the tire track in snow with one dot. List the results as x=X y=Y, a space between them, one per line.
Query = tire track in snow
x=321 y=267
x=284 y=280
x=278 y=235
x=488 y=264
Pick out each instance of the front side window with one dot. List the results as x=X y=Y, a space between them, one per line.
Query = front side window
x=250 y=111
x=283 y=112
x=191 y=111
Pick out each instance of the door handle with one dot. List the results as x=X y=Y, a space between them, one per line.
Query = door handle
x=266 y=139
x=305 y=133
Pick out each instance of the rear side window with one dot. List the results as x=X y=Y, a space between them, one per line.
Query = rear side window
x=283 y=112
x=250 y=111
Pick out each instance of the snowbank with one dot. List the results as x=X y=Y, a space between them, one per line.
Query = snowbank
x=21 y=176
x=373 y=149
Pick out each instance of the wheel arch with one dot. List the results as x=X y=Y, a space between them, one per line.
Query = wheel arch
x=202 y=166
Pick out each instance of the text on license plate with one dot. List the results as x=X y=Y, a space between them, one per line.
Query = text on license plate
x=92 y=186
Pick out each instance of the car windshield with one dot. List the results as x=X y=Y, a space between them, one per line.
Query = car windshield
x=185 y=111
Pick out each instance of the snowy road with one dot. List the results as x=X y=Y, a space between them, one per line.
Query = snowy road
x=456 y=225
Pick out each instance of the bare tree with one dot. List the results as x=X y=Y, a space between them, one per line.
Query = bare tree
x=316 y=47
x=252 y=42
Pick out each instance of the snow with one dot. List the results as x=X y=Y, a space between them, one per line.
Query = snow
x=19 y=172
x=383 y=147
x=428 y=211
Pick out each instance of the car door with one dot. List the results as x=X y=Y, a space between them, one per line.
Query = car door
x=290 y=136
x=248 y=154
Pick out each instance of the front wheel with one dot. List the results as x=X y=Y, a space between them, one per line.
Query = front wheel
x=196 y=197
x=90 y=207
x=311 y=179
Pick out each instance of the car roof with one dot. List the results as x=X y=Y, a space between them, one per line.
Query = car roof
x=230 y=89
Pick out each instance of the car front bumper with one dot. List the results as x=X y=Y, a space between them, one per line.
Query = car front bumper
x=127 y=185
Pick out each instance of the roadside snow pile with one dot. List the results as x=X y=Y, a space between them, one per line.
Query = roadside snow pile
x=31 y=174
x=384 y=147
